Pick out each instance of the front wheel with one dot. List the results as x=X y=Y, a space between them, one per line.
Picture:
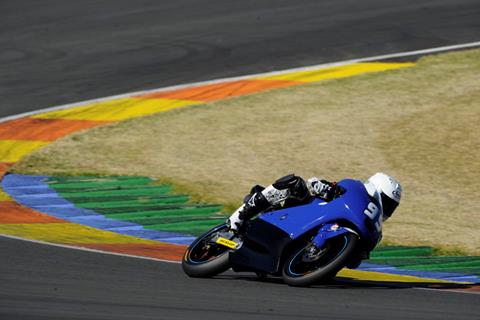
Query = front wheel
x=204 y=258
x=308 y=265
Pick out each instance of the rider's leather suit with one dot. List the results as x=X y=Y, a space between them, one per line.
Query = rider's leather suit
x=287 y=191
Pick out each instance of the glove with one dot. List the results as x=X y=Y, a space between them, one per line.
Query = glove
x=321 y=188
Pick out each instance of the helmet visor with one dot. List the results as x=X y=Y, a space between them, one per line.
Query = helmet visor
x=389 y=205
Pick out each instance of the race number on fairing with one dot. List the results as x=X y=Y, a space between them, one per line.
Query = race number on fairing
x=372 y=212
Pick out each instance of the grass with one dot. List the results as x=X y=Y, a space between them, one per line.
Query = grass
x=420 y=124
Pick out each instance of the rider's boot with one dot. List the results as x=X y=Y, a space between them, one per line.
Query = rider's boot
x=234 y=221
x=254 y=205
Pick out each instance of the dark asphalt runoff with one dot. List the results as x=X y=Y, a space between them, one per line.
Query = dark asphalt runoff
x=58 y=51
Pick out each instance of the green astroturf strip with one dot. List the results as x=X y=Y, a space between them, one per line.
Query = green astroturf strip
x=118 y=192
x=107 y=211
x=101 y=198
x=432 y=260
x=397 y=251
x=139 y=200
x=422 y=259
x=175 y=219
x=190 y=227
x=111 y=188
x=129 y=203
x=172 y=219
x=136 y=200
x=100 y=184
x=74 y=179
x=162 y=213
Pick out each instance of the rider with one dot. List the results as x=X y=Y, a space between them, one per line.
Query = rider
x=292 y=190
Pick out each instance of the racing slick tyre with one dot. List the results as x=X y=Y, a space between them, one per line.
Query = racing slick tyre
x=206 y=259
x=307 y=265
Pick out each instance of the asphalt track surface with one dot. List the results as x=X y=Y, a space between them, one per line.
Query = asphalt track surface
x=56 y=52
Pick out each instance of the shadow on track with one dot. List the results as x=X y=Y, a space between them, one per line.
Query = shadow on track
x=351 y=283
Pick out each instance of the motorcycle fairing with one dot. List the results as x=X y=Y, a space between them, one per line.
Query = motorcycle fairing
x=296 y=221
x=267 y=236
x=262 y=248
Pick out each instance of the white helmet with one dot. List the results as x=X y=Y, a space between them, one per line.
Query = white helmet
x=387 y=190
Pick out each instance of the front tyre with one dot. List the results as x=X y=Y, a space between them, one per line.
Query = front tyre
x=206 y=259
x=306 y=265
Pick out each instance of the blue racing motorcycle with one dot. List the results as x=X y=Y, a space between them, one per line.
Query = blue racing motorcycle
x=305 y=245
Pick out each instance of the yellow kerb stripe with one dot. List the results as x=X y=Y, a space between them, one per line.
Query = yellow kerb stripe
x=67 y=233
x=385 y=277
x=4 y=196
x=118 y=109
x=13 y=150
x=338 y=72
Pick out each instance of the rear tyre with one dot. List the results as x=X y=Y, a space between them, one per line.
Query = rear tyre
x=305 y=267
x=205 y=259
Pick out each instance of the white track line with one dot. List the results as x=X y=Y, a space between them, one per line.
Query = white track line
x=319 y=66
x=266 y=74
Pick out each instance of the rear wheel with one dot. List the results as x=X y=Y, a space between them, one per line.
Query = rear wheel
x=204 y=258
x=307 y=264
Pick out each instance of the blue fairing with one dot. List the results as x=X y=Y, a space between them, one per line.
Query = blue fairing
x=296 y=221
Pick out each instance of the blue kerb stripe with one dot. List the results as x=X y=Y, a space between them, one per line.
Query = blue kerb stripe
x=34 y=192
x=19 y=180
x=447 y=276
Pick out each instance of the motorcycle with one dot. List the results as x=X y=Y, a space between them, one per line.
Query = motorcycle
x=305 y=244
